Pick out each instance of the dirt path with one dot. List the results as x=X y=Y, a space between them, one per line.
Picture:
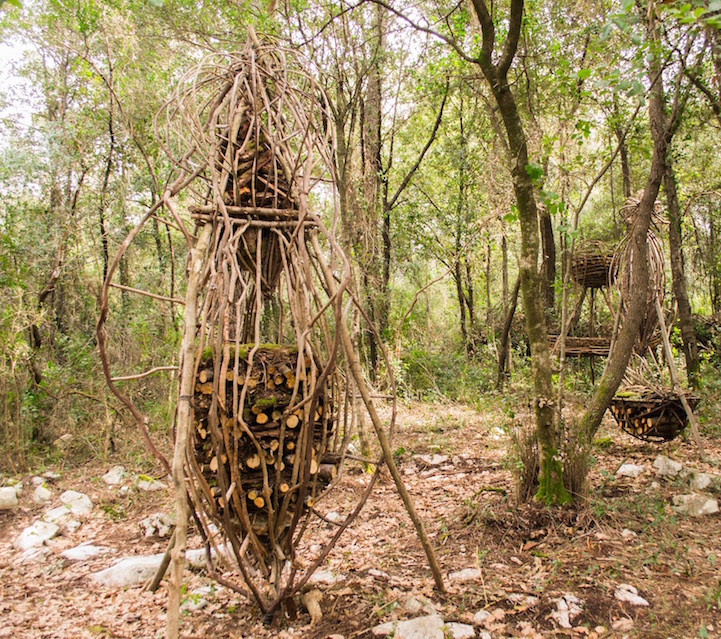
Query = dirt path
x=527 y=557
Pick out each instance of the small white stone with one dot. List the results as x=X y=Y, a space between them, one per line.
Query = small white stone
x=157 y=524
x=326 y=577
x=695 y=504
x=18 y=486
x=628 y=594
x=42 y=494
x=37 y=481
x=701 y=481
x=196 y=599
x=335 y=517
x=79 y=503
x=114 y=476
x=485 y=635
x=432 y=460
x=83 y=552
x=413 y=605
x=568 y=607
x=628 y=534
x=466 y=575
x=58 y=516
x=128 y=571
x=460 y=630
x=148 y=484
x=384 y=629
x=481 y=617
x=51 y=475
x=34 y=554
x=35 y=535
x=428 y=627
x=124 y=491
x=8 y=498
x=630 y=470
x=666 y=467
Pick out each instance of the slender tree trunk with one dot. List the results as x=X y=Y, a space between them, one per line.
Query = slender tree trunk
x=505 y=350
x=551 y=488
x=548 y=270
x=678 y=274
x=625 y=166
x=637 y=297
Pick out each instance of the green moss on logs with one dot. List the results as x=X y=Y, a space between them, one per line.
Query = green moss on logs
x=244 y=351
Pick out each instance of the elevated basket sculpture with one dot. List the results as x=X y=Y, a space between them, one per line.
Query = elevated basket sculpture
x=593 y=266
x=650 y=415
x=270 y=387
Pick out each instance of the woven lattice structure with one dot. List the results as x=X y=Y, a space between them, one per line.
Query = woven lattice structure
x=272 y=400
x=651 y=416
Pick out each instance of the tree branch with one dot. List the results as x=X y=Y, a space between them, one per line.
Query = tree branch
x=414 y=168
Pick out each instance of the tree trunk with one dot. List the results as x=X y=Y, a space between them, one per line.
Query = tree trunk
x=548 y=269
x=637 y=297
x=678 y=274
x=550 y=478
x=625 y=166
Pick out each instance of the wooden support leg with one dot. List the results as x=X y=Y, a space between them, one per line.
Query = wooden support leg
x=184 y=424
x=693 y=423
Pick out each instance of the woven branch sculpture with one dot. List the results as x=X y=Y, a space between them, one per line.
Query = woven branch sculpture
x=270 y=386
x=271 y=401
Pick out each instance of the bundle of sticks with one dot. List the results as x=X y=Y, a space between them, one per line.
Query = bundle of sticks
x=269 y=438
x=650 y=413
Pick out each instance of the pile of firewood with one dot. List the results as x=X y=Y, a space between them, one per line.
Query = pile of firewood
x=270 y=447
x=650 y=414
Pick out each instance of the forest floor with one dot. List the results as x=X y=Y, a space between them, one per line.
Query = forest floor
x=625 y=533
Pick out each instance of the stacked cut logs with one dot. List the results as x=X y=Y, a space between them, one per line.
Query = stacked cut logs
x=649 y=414
x=275 y=447
x=593 y=269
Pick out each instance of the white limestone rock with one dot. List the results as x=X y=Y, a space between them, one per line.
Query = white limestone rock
x=666 y=467
x=627 y=593
x=325 y=577
x=197 y=599
x=83 y=552
x=427 y=627
x=58 y=516
x=157 y=524
x=384 y=629
x=42 y=494
x=695 y=504
x=8 y=498
x=465 y=576
x=36 y=535
x=115 y=476
x=481 y=617
x=630 y=470
x=568 y=607
x=701 y=481
x=128 y=571
x=417 y=604
x=79 y=503
x=148 y=484
x=432 y=460
x=460 y=630
x=16 y=485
